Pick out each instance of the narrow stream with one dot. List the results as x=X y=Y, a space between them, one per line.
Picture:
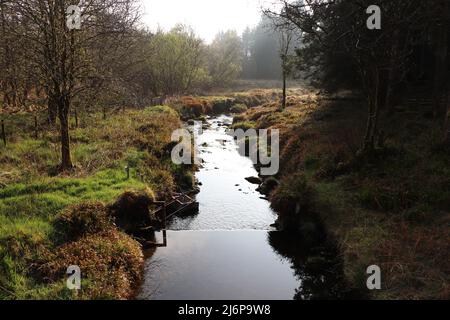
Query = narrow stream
x=229 y=251
x=227 y=201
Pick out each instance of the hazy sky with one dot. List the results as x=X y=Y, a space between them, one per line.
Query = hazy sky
x=207 y=17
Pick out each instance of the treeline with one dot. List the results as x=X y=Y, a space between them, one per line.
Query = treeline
x=261 y=46
x=406 y=60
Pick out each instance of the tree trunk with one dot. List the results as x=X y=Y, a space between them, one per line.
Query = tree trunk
x=441 y=52
x=283 y=102
x=63 y=114
x=446 y=137
x=373 y=114
x=52 y=110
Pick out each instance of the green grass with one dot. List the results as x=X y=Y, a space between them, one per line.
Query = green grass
x=33 y=193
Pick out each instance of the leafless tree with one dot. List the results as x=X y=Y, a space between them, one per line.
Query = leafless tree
x=70 y=59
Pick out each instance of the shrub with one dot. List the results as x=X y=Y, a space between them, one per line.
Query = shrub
x=268 y=185
x=292 y=198
x=111 y=263
x=82 y=219
x=222 y=105
x=131 y=211
x=185 y=179
x=239 y=108
x=245 y=125
x=195 y=108
x=239 y=118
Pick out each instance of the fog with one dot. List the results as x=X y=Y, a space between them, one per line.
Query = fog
x=207 y=17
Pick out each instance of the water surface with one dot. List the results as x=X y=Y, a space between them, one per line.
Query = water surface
x=227 y=201
x=229 y=251
x=218 y=265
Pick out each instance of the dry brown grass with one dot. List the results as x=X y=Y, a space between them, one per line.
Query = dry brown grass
x=111 y=261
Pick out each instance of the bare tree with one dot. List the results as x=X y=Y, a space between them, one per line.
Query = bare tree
x=286 y=37
x=68 y=57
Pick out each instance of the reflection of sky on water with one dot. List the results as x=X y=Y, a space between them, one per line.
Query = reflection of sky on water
x=217 y=265
x=227 y=200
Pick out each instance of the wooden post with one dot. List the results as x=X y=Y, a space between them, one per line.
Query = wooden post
x=127 y=169
x=3 y=132
x=165 y=225
x=104 y=113
x=164 y=238
x=165 y=215
x=35 y=127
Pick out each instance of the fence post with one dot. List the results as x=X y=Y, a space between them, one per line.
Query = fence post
x=165 y=215
x=127 y=169
x=164 y=238
x=3 y=132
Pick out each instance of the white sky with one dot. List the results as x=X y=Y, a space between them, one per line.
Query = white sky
x=207 y=17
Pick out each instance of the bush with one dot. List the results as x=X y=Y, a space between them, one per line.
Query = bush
x=268 y=186
x=245 y=125
x=195 y=108
x=81 y=220
x=238 y=108
x=185 y=179
x=111 y=263
x=292 y=198
x=131 y=211
x=239 y=118
x=222 y=106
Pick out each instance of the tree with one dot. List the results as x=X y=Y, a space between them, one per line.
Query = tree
x=66 y=56
x=225 y=58
x=175 y=60
x=380 y=58
x=261 y=51
x=16 y=79
x=286 y=37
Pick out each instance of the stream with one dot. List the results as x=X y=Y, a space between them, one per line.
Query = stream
x=229 y=251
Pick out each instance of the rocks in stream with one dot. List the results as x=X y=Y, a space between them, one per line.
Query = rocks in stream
x=268 y=186
x=254 y=180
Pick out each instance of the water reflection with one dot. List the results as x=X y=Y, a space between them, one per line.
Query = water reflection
x=227 y=201
x=240 y=264
x=218 y=265
x=318 y=267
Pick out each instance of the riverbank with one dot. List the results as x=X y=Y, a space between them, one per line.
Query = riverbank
x=51 y=220
x=392 y=212
x=231 y=244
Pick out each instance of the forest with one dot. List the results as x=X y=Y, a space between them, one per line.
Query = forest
x=90 y=98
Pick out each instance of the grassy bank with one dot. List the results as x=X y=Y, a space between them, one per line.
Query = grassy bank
x=392 y=211
x=196 y=107
x=34 y=248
